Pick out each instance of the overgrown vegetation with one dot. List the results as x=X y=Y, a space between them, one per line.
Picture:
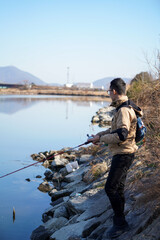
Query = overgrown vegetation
x=138 y=84
x=97 y=170
x=145 y=92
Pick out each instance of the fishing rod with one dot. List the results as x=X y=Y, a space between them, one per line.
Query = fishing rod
x=45 y=158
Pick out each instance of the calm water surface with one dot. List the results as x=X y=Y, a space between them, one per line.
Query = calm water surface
x=31 y=124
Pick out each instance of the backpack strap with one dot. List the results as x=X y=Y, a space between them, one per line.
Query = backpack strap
x=129 y=104
x=124 y=104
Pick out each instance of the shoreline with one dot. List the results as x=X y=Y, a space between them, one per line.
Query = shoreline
x=79 y=207
x=55 y=91
x=62 y=97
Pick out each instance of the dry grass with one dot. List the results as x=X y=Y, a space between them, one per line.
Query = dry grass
x=148 y=98
x=95 y=172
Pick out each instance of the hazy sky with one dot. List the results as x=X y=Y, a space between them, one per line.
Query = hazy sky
x=94 y=38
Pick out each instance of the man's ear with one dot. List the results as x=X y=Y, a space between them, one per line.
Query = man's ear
x=114 y=92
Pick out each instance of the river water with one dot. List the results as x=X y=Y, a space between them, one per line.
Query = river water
x=31 y=124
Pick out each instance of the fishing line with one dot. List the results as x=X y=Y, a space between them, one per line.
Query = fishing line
x=59 y=153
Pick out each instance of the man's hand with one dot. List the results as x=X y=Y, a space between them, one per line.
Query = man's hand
x=94 y=139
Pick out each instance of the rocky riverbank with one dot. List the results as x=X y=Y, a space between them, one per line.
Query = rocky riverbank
x=79 y=207
x=103 y=116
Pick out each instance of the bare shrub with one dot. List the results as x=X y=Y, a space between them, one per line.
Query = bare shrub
x=95 y=172
x=148 y=98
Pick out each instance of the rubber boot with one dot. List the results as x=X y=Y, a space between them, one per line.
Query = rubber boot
x=119 y=226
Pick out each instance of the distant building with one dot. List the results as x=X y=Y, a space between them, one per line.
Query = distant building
x=7 y=85
x=99 y=87
x=84 y=85
x=68 y=85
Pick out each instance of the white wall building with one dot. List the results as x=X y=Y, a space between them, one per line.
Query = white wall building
x=68 y=85
x=84 y=85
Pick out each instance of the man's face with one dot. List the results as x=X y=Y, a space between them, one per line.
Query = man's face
x=112 y=94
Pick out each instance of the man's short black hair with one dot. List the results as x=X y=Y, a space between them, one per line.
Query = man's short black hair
x=119 y=85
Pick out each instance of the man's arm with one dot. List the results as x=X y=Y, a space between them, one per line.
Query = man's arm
x=123 y=126
x=96 y=138
x=104 y=132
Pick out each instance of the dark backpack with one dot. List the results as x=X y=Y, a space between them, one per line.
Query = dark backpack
x=141 y=128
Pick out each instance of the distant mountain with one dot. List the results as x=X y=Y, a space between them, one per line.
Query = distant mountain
x=13 y=75
x=106 y=81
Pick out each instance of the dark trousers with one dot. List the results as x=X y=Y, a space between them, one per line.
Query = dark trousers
x=116 y=181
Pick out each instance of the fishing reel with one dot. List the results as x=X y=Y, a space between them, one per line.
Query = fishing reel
x=89 y=137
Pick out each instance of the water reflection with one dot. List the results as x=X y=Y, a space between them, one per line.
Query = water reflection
x=13 y=104
x=46 y=123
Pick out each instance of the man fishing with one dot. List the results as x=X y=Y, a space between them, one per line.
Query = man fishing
x=121 y=143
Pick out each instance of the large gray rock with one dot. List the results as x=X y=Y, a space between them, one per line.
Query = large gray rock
x=59 y=194
x=40 y=233
x=55 y=224
x=104 y=115
x=50 y=211
x=44 y=231
x=61 y=212
x=151 y=232
x=101 y=204
x=105 y=118
x=106 y=221
x=75 y=229
x=59 y=162
x=77 y=174
x=63 y=171
x=90 y=227
x=77 y=187
x=80 y=203
x=106 y=110
x=85 y=158
x=74 y=237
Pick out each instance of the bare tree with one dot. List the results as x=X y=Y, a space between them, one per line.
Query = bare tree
x=154 y=63
x=26 y=84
